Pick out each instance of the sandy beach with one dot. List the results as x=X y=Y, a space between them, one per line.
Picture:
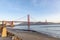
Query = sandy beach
x=36 y=36
x=29 y=35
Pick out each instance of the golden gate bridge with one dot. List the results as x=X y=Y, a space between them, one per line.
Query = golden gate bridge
x=9 y=32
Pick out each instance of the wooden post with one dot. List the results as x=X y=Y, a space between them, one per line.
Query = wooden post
x=28 y=22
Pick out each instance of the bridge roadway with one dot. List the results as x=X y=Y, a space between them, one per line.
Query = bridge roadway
x=29 y=35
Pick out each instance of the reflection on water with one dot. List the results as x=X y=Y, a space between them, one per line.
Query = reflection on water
x=52 y=30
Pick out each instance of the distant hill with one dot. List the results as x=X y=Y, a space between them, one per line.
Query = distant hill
x=38 y=23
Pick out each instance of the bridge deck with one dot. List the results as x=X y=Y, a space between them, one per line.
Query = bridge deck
x=26 y=35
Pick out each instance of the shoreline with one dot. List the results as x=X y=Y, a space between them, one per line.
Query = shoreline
x=35 y=33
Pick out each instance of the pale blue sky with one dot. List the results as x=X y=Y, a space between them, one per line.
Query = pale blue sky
x=38 y=9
